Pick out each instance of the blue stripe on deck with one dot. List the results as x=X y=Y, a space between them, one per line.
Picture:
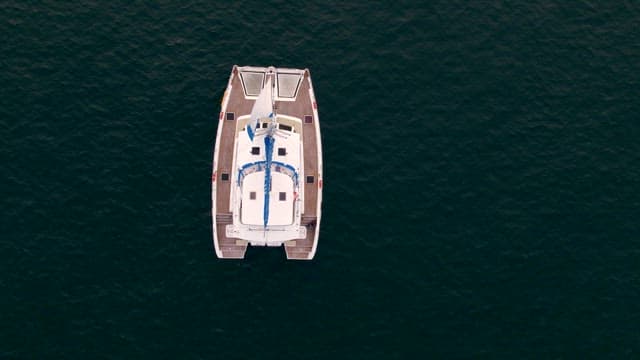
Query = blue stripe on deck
x=268 y=146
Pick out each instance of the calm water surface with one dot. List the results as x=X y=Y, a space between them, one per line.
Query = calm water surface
x=481 y=181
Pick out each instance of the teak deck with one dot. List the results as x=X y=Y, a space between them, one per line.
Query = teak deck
x=237 y=106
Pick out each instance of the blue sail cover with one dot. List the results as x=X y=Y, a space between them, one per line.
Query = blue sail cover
x=276 y=166
x=268 y=146
x=251 y=129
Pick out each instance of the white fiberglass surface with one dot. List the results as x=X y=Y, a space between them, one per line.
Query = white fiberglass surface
x=280 y=211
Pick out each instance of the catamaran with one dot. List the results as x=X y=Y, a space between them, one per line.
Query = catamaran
x=266 y=185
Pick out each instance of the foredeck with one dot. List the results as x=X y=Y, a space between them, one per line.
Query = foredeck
x=303 y=108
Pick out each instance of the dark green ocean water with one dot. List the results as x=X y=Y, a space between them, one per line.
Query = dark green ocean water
x=481 y=198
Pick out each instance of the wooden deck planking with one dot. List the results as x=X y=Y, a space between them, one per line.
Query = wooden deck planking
x=239 y=106
x=225 y=158
x=237 y=103
x=299 y=108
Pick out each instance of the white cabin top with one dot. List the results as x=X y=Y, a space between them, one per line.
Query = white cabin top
x=286 y=151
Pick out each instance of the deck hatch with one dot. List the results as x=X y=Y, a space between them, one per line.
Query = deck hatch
x=310 y=179
x=224 y=177
x=252 y=195
x=282 y=196
x=255 y=150
x=282 y=151
x=231 y=116
x=252 y=82
x=308 y=119
x=288 y=85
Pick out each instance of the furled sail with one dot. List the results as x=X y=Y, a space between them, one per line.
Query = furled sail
x=262 y=108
